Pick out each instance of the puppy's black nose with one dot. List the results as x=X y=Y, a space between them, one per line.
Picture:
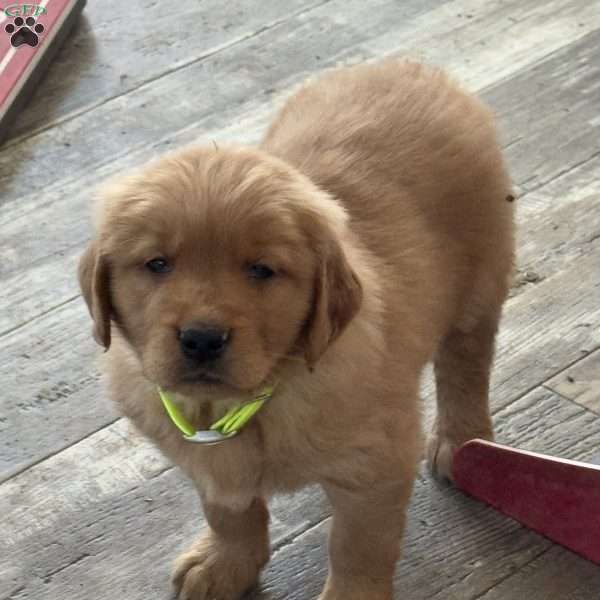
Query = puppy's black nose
x=203 y=342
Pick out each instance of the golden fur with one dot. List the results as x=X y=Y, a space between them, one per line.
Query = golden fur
x=380 y=199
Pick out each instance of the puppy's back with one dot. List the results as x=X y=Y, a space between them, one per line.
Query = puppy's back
x=416 y=162
x=391 y=129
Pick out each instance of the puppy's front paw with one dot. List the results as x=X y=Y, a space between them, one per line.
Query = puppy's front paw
x=212 y=570
x=441 y=449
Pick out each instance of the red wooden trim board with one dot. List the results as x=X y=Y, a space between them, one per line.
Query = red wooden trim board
x=21 y=66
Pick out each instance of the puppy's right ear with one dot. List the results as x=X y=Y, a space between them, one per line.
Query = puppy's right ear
x=94 y=280
x=338 y=296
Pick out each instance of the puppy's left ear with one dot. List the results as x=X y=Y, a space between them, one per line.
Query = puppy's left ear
x=337 y=298
x=94 y=280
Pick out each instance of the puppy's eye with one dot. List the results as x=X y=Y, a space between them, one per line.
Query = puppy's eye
x=260 y=271
x=158 y=265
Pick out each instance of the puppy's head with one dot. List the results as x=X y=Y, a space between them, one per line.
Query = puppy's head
x=215 y=265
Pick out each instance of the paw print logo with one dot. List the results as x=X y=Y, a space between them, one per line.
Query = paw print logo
x=24 y=31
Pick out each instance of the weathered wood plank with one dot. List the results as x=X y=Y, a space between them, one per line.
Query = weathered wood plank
x=457 y=548
x=562 y=94
x=581 y=381
x=485 y=42
x=123 y=518
x=556 y=223
x=102 y=59
x=51 y=372
x=541 y=333
x=78 y=525
x=51 y=252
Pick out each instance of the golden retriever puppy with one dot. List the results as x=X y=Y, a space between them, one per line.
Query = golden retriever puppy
x=371 y=232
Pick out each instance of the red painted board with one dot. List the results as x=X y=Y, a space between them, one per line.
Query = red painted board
x=30 y=34
x=555 y=497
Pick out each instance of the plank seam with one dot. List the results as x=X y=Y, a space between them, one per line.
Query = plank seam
x=567 y=399
x=541 y=384
x=485 y=592
x=15 y=592
x=38 y=316
x=287 y=540
x=21 y=468
x=558 y=175
x=538 y=61
x=572 y=364
x=535 y=538
x=75 y=561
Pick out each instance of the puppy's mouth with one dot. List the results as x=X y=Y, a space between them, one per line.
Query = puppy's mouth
x=205 y=377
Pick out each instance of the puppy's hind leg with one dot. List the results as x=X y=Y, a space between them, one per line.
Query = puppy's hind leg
x=462 y=372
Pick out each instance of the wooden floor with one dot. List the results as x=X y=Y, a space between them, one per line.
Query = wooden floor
x=90 y=510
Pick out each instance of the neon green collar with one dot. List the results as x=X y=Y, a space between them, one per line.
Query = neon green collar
x=226 y=427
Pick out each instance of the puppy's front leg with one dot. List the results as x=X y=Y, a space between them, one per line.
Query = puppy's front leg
x=364 y=543
x=227 y=558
